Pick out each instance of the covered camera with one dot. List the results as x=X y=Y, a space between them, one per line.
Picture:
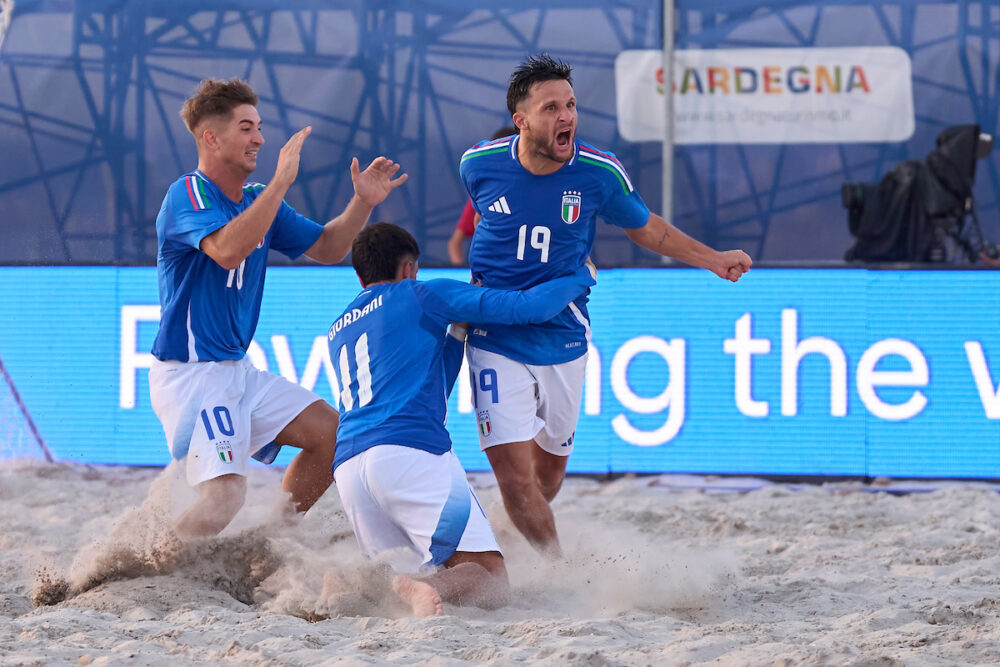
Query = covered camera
x=921 y=210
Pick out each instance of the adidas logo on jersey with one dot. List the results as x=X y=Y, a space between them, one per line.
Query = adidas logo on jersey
x=500 y=206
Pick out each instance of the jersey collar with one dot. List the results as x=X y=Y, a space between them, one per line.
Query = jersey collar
x=517 y=137
x=200 y=174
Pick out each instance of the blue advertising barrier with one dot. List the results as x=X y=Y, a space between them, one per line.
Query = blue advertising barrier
x=788 y=372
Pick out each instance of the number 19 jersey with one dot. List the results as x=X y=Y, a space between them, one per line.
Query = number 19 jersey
x=536 y=228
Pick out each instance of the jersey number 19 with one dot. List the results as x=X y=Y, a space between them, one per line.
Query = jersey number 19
x=539 y=241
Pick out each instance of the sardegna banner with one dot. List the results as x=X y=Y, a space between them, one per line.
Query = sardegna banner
x=768 y=96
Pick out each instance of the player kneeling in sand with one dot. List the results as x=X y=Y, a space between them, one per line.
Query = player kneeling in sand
x=404 y=490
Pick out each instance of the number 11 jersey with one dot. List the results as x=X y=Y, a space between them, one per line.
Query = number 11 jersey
x=536 y=228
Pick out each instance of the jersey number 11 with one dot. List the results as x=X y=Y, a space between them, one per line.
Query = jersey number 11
x=363 y=362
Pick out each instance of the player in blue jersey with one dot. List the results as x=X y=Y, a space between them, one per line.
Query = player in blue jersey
x=404 y=491
x=214 y=232
x=540 y=194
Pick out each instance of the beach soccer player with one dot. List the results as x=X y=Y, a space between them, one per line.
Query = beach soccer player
x=403 y=489
x=539 y=194
x=214 y=232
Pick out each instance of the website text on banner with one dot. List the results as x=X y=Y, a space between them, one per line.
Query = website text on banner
x=805 y=372
x=768 y=96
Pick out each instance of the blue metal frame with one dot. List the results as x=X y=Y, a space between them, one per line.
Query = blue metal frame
x=93 y=125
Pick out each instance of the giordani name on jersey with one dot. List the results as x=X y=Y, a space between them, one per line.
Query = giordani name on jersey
x=354 y=315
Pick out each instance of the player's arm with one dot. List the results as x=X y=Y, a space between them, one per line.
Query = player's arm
x=663 y=238
x=233 y=242
x=371 y=187
x=454 y=301
x=454 y=354
x=455 y=253
x=541 y=302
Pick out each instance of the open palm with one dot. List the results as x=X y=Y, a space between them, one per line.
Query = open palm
x=375 y=183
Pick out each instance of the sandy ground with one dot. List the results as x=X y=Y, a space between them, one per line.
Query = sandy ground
x=660 y=573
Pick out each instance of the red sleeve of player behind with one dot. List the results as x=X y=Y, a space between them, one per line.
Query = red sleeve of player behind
x=465 y=222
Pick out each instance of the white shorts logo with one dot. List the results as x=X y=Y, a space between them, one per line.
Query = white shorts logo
x=225 y=451
x=483 y=417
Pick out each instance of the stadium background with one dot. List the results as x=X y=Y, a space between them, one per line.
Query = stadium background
x=89 y=93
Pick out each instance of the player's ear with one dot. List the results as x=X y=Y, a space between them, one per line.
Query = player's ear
x=209 y=137
x=407 y=269
x=518 y=119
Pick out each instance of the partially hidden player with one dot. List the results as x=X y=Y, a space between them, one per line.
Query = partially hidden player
x=402 y=487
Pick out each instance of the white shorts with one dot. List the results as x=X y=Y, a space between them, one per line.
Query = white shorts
x=218 y=413
x=517 y=402
x=412 y=508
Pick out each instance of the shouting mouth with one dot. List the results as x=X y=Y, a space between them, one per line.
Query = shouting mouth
x=564 y=137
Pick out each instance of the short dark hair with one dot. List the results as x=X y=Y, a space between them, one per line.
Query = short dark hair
x=215 y=97
x=379 y=250
x=535 y=69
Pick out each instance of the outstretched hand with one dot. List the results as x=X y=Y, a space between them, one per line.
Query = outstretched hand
x=375 y=183
x=732 y=265
x=288 y=158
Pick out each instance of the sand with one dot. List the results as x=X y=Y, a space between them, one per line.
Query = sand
x=662 y=571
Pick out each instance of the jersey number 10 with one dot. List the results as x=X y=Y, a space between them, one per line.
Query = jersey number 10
x=238 y=275
x=363 y=363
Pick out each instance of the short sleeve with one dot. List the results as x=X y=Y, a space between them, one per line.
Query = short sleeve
x=466 y=171
x=621 y=205
x=195 y=214
x=623 y=208
x=293 y=232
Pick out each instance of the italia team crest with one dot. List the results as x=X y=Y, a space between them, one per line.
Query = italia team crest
x=483 y=417
x=225 y=451
x=571 y=204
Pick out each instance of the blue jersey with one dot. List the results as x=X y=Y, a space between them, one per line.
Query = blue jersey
x=208 y=313
x=396 y=364
x=535 y=228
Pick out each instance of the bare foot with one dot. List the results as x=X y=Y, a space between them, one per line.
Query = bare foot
x=422 y=598
x=334 y=583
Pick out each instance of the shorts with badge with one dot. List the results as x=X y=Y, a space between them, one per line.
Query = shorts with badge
x=219 y=413
x=517 y=402
x=411 y=508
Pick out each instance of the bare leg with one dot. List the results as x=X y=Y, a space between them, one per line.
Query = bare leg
x=309 y=474
x=219 y=500
x=528 y=507
x=473 y=578
x=550 y=470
